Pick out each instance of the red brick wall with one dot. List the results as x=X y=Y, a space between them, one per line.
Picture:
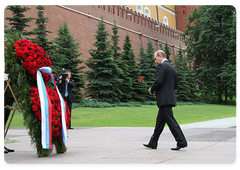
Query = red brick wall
x=182 y=13
x=83 y=27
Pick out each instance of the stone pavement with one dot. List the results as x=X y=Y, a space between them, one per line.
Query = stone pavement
x=123 y=145
x=217 y=123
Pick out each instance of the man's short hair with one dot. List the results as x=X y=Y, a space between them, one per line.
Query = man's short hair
x=161 y=53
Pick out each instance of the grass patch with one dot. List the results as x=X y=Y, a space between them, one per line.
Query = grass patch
x=198 y=113
x=144 y=116
x=8 y=141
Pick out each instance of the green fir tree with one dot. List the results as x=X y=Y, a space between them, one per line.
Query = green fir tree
x=4 y=25
x=148 y=67
x=117 y=56
x=211 y=43
x=18 y=21
x=183 y=91
x=114 y=44
x=167 y=50
x=66 y=55
x=41 y=32
x=103 y=81
x=132 y=90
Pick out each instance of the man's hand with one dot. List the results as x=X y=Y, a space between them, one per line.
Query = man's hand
x=60 y=79
x=149 y=91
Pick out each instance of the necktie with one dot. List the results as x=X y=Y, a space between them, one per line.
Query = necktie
x=66 y=89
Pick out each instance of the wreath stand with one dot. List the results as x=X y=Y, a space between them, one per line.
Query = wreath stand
x=16 y=108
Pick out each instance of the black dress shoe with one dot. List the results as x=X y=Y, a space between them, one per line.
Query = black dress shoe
x=150 y=146
x=71 y=128
x=8 y=150
x=4 y=151
x=178 y=148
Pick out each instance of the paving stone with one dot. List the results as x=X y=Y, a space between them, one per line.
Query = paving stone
x=124 y=145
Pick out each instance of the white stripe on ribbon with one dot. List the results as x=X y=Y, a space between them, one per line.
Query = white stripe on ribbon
x=46 y=69
x=46 y=141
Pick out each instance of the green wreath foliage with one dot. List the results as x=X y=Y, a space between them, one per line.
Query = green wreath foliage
x=21 y=82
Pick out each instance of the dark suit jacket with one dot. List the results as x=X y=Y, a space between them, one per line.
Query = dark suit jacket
x=165 y=84
x=61 y=88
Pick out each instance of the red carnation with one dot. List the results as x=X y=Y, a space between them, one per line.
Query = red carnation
x=38 y=115
x=55 y=122
x=56 y=114
x=33 y=57
x=56 y=129
x=140 y=78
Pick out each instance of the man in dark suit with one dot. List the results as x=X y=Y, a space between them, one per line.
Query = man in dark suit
x=65 y=88
x=164 y=86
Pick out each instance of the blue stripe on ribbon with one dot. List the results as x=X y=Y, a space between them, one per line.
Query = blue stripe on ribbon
x=44 y=111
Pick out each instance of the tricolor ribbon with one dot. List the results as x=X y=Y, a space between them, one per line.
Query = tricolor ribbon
x=46 y=109
x=46 y=123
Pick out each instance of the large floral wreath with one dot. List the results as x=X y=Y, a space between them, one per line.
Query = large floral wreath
x=32 y=57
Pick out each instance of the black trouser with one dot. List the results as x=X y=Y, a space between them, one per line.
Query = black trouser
x=165 y=115
x=69 y=103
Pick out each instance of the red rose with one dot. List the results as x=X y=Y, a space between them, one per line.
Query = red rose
x=38 y=114
x=34 y=108
x=55 y=122
x=58 y=134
